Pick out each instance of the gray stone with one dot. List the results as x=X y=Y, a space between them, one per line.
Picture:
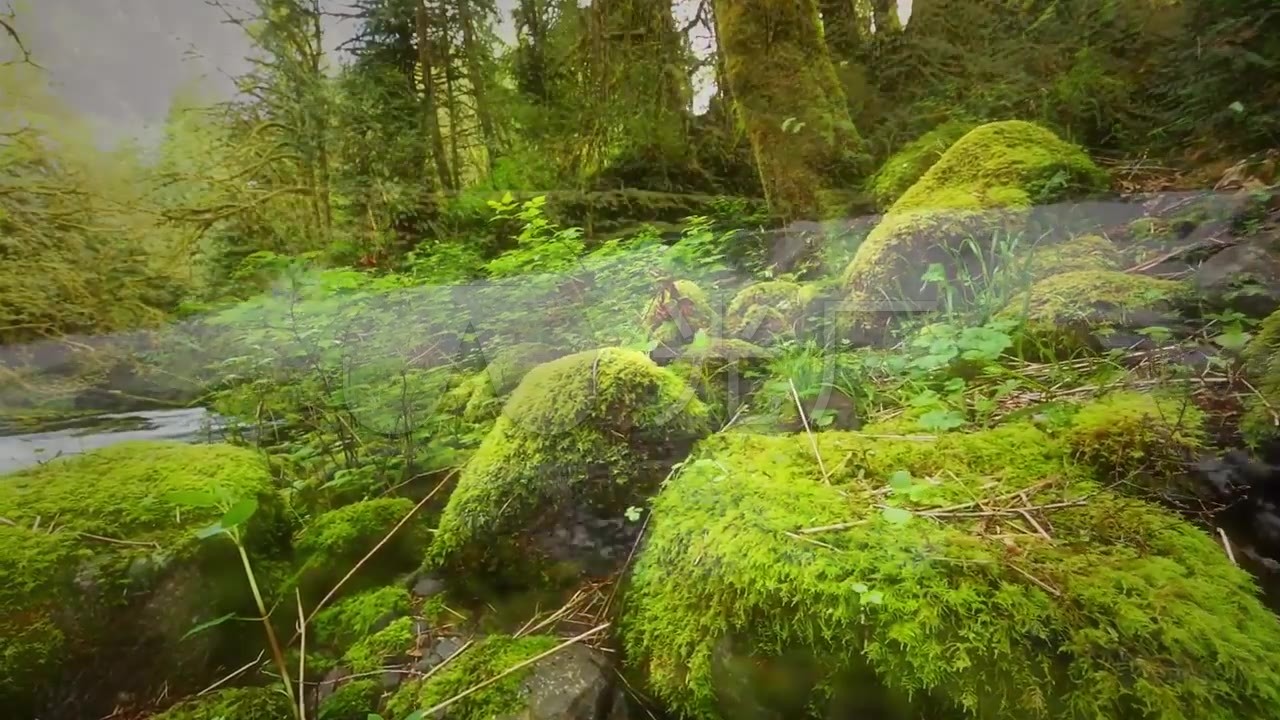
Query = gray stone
x=573 y=684
x=1244 y=277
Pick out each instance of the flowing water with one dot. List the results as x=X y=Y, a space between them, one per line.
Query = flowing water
x=82 y=434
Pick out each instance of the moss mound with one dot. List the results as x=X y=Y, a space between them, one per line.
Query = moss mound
x=1065 y=313
x=100 y=569
x=1261 y=421
x=588 y=434
x=359 y=616
x=763 y=312
x=674 y=318
x=978 y=186
x=355 y=700
x=335 y=541
x=479 y=397
x=485 y=660
x=233 y=704
x=1122 y=611
x=913 y=160
x=1137 y=438
x=1085 y=253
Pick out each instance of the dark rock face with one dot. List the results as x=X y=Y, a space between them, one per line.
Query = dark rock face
x=1244 y=277
x=1248 y=492
x=573 y=684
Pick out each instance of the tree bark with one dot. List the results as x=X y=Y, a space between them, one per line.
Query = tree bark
x=781 y=75
x=475 y=77
x=429 y=107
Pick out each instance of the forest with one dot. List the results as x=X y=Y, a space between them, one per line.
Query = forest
x=640 y=359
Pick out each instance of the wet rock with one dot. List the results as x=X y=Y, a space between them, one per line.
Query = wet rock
x=427 y=585
x=1243 y=277
x=573 y=684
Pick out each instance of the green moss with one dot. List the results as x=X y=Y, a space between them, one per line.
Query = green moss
x=1261 y=362
x=979 y=185
x=1141 y=439
x=266 y=703
x=1085 y=253
x=373 y=652
x=358 y=616
x=905 y=166
x=479 y=397
x=336 y=540
x=1125 y=612
x=60 y=583
x=761 y=312
x=354 y=700
x=596 y=429
x=1061 y=314
x=717 y=369
x=693 y=306
x=479 y=663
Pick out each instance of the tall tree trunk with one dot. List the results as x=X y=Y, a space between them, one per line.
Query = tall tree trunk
x=321 y=129
x=476 y=78
x=791 y=102
x=429 y=107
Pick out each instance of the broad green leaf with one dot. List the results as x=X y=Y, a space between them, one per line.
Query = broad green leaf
x=896 y=516
x=239 y=513
x=875 y=597
x=900 y=480
x=860 y=587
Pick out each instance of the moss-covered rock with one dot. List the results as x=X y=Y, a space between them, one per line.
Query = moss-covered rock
x=1141 y=439
x=335 y=541
x=673 y=319
x=980 y=186
x=1261 y=421
x=358 y=616
x=913 y=160
x=382 y=647
x=718 y=370
x=355 y=700
x=1067 y=313
x=264 y=703
x=479 y=397
x=766 y=311
x=580 y=440
x=102 y=574
x=1084 y=253
x=1118 y=609
x=483 y=661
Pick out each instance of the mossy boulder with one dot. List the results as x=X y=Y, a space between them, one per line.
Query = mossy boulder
x=1261 y=422
x=581 y=439
x=768 y=311
x=355 y=700
x=102 y=574
x=479 y=397
x=913 y=160
x=1072 y=312
x=1080 y=254
x=980 y=187
x=332 y=543
x=674 y=318
x=719 y=371
x=912 y=584
x=253 y=703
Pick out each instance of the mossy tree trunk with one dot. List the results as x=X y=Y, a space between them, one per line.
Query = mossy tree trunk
x=791 y=102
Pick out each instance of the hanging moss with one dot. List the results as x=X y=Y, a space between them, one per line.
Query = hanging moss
x=979 y=187
x=100 y=565
x=1063 y=314
x=1125 y=611
x=914 y=159
x=479 y=663
x=1261 y=421
x=266 y=703
x=594 y=431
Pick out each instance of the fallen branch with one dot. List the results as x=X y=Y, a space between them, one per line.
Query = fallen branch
x=813 y=442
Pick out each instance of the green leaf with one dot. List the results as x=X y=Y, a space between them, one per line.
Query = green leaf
x=896 y=516
x=239 y=513
x=900 y=480
x=940 y=420
x=875 y=597
x=860 y=587
x=191 y=498
x=1234 y=340
x=214 y=529
x=207 y=624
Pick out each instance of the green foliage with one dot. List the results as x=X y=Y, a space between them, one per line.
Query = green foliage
x=965 y=619
x=541 y=247
x=596 y=428
x=334 y=541
x=358 y=616
x=768 y=311
x=354 y=700
x=481 y=662
x=1261 y=362
x=375 y=651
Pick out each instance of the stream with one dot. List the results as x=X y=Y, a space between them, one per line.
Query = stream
x=82 y=434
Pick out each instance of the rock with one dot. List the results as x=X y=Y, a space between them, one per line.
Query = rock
x=951 y=616
x=581 y=439
x=426 y=585
x=983 y=185
x=766 y=312
x=574 y=683
x=1065 y=314
x=479 y=398
x=102 y=574
x=1087 y=252
x=336 y=540
x=1244 y=277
